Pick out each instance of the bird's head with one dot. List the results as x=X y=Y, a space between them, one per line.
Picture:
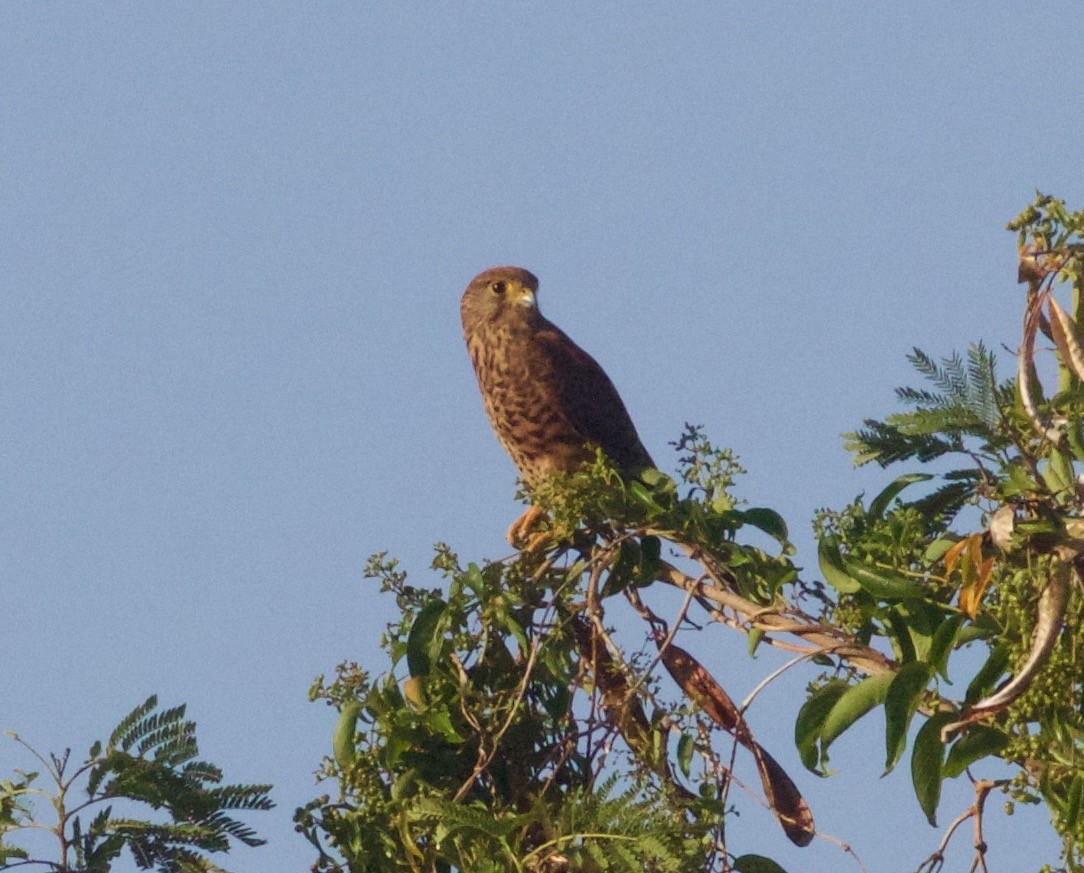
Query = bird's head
x=500 y=295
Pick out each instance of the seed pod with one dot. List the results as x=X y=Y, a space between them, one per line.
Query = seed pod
x=1001 y=527
x=623 y=710
x=1048 y=623
x=1026 y=380
x=784 y=798
x=1065 y=338
x=622 y=706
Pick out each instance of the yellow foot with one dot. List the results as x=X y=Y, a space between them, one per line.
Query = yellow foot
x=538 y=541
x=517 y=533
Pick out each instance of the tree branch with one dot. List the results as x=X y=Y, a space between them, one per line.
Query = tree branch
x=822 y=637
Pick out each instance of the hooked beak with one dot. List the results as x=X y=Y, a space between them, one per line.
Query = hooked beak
x=527 y=299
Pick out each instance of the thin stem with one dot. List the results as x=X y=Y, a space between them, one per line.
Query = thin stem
x=55 y=769
x=822 y=636
x=47 y=764
x=775 y=674
x=483 y=757
x=936 y=861
x=568 y=838
x=633 y=597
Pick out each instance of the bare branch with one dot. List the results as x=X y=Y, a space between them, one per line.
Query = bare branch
x=822 y=637
x=936 y=861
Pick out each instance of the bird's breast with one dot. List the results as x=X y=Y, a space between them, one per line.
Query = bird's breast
x=523 y=406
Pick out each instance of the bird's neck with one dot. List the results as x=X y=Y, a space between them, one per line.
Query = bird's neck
x=521 y=329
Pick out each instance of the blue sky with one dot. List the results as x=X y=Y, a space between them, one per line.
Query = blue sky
x=233 y=242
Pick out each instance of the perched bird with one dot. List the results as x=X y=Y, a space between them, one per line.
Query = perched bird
x=549 y=402
x=552 y=407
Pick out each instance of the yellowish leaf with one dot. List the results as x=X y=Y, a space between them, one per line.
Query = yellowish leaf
x=973 y=590
x=953 y=554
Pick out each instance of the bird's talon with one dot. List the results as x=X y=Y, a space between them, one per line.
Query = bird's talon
x=537 y=541
x=519 y=529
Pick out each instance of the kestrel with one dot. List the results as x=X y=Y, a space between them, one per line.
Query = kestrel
x=549 y=401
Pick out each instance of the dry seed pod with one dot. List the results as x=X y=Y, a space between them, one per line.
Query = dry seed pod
x=1052 y=603
x=1030 y=270
x=623 y=710
x=1026 y=380
x=1001 y=527
x=621 y=706
x=1065 y=338
x=785 y=800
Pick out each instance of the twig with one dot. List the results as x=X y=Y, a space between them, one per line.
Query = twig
x=633 y=597
x=485 y=757
x=845 y=848
x=546 y=565
x=982 y=790
x=775 y=674
x=936 y=861
x=730 y=772
x=821 y=636
x=464 y=683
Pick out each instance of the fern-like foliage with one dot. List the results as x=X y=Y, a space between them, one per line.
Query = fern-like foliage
x=624 y=832
x=150 y=758
x=968 y=403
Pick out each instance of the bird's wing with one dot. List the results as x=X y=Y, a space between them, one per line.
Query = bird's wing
x=589 y=400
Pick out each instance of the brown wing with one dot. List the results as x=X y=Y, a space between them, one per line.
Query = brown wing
x=588 y=399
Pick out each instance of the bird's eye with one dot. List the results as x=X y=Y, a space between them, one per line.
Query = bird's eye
x=499 y=287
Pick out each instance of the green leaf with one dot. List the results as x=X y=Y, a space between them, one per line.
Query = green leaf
x=807 y=727
x=882 y=583
x=404 y=784
x=1018 y=481
x=650 y=557
x=685 y=748
x=344 y=741
x=656 y=478
x=474 y=580
x=767 y=520
x=397 y=743
x=941 y=646
x=557 y=706
x=755 y=636
x=424 y=630
x=1075 y=799
x=1075 y=435
x=980 y=741
x=903 y=636
x=629 y=556
x=936 y=550
x=440 y=720
x=901 y=701
x=131 y=719
x=855 y=702
x=831 y=563
x=515 y=629
x=988 y=674
x=645 y=497
x=1059 y=471
x=880 y=503
x=756 y=864
x=922 y=618
x=927 y=760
